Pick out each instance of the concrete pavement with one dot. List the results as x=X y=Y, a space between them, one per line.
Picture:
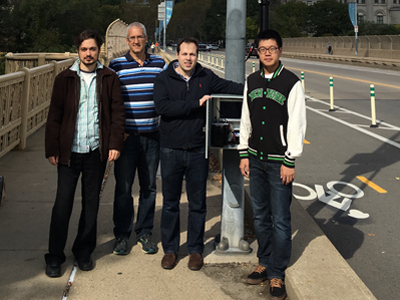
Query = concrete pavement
x=317 y=271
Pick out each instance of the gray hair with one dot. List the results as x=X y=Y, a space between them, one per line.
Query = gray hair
x=138 y=25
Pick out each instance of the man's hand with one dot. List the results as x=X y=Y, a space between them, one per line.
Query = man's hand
x=53 y=160
x=113 y=155
x=204 y=99
x=245 y=167
x=287 y=175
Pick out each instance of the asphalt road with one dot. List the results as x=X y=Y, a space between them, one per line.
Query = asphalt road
x=348 y=178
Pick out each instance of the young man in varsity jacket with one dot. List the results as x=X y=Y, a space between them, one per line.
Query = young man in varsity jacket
x=272 y=131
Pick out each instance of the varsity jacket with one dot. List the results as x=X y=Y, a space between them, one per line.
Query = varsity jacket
x=273 y=122
x=177 y=101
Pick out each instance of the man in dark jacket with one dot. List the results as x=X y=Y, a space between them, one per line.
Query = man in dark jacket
x=180 y=95
x=85 y=127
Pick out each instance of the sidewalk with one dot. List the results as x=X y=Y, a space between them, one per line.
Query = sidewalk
x=317 y=271
x=24 y=225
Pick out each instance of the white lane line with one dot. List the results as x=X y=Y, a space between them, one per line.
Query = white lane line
x=371 y=134
x=341 y=109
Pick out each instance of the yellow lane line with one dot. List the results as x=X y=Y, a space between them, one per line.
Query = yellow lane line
x=372 y=185
x=306 y=142
x=347 y=78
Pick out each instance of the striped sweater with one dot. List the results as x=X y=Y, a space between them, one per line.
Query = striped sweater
x=137 y=91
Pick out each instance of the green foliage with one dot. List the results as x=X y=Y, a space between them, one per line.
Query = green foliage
x=215 y=21
x=371 y=28
x=2 y=63
x=251 y=28
x=188 y=18
x=290 y=19
x=328 y=17
x=52 y=25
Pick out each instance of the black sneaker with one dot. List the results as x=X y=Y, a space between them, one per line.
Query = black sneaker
x=277 y=289
x=258 y=275
x=121 y=246
x=148 y=246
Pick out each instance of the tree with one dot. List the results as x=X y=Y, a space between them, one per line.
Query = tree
x=371 y=28
x=215 y=21
x=187 y=20
x=290 y=19
x=328 y=17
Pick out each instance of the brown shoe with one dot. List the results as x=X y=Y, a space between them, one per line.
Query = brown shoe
x=169 y=261
x=195 y=261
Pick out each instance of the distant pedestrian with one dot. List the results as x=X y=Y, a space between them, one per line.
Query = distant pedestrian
x=157 y=47
x=329 y=47
x=85 y=127
x=137 y=71
x=152 y=48
x=272 y=130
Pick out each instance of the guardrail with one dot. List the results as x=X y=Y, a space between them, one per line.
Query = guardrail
x=24 y=102
x=17 y=61
x=351 y=60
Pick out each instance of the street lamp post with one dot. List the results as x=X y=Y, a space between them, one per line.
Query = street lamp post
x=264 y=14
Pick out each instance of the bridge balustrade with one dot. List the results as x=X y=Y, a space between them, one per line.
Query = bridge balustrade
x=24 y=102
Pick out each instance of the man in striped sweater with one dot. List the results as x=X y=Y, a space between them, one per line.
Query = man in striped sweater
x=136 y=71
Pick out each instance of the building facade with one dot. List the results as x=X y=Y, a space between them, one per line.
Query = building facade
x=377 y=11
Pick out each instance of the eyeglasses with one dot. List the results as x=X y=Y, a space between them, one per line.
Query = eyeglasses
x=271 y=50
x=139 y=37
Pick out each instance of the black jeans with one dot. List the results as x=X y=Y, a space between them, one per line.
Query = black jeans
x=92 y=170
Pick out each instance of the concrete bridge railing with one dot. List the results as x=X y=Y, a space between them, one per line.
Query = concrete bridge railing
x=372 y=46
x=24 y=102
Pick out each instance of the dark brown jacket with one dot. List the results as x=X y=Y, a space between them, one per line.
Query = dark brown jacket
x=63 y=111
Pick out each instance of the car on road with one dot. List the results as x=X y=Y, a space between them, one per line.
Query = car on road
x=203 y=47
x=251 y=50
x=212 y=47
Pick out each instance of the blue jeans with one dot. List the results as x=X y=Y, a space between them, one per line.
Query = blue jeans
x=176 y=163
x=141 y=152
x=272 y=221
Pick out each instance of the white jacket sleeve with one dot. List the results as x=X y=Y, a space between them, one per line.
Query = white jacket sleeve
x=297 y=123
x=245 y=126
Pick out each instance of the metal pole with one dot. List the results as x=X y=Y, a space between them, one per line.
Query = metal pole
x=165 y=25
x=232 y=218
x=264 y=18
x=264 y=14
x=356 y=33
x=235 y=40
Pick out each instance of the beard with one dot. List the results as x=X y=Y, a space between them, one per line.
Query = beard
x=84 y=62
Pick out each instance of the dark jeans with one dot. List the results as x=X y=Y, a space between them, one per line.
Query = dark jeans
x=141 y=152
x=92 y=170
x=176 y=163
x=272 y=221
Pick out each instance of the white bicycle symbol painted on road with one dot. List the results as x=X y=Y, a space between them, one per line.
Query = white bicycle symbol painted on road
x=329 y=197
